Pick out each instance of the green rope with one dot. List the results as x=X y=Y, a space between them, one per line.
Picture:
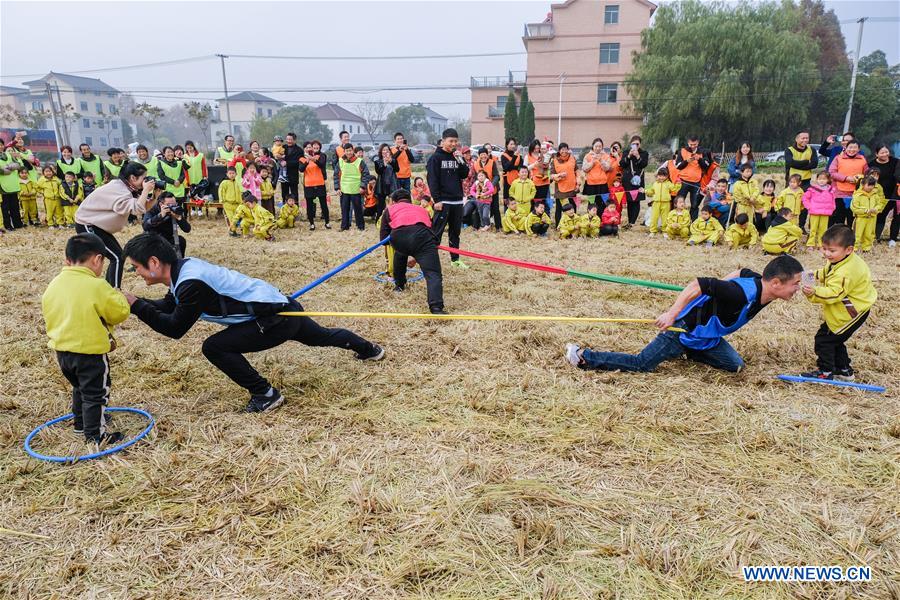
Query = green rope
x=626 y=281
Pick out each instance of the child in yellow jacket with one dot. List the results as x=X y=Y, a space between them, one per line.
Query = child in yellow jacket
x=782 y=235
x=70 y=196
x=266 y=189
x=845 y=291
x=80 y=310
x=289 y=213
x=28 y=198
x=568 y=223
x=263 y=222
x=589 y=224
x=705 y=229
x=522 y=190
x=678 y=222
x=745 y=191
x=230 y=197
x=765 y=205
x=791 y=197
x=661 y=193
x=512 y=222
x=538 y=222
x=742 y=233
x=243 y=214
x=48 y=189
x=867 y=202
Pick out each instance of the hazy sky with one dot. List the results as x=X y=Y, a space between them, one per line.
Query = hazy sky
x=90 y=35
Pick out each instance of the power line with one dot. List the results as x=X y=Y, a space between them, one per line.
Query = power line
x=163 y=63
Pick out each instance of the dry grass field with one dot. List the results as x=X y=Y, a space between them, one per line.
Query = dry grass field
x=473 y=462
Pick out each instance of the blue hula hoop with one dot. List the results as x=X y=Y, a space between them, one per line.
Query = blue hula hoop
x=72 y=459
x=383 y=277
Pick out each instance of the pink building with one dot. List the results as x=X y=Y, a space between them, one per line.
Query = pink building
x=586 y=45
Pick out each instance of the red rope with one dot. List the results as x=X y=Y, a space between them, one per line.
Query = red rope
x=506 y=261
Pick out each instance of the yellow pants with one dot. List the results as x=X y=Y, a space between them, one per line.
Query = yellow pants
x=659 y=210
x=676 y=232
x=228 y=208
x=702 y=238
x=55 y=215
x=286 y=223
x=29 y=210
x=778 y=249
x=736 y=241
x=263 y=231
x=744 y=209
x=389 y=253
x=817 y=226
x=69 y=214
x=247 y=226
x=864 y=227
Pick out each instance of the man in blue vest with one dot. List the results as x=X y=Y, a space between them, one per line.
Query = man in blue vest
x=708 y=309
x=248 y=308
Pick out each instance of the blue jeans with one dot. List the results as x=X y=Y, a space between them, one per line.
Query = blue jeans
x=403 y=183
x=665 y=346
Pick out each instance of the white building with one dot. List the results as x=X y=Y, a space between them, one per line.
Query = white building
x=88 y=108
x=243 y=108
x=436 y=121
x=339 y=119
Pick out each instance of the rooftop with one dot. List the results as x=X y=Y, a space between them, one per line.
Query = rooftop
x=249 y=97
x=334 y=112
x=85 y=84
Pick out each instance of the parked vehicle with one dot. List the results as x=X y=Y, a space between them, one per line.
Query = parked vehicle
x=774 y=157
x=422 y=152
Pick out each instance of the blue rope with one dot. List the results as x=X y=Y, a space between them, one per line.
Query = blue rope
x=383 y=277
x=338 y=269
x=850 y=384
x=107 y=452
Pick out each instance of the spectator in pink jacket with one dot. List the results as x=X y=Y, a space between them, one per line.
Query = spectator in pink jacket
x=252 y=180
x=483 y=192
x=818 y=201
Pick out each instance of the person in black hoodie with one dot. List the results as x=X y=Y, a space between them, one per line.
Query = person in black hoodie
x=446 y=171
x=386 y=169
x=291 y=164
x=633 y=164
x=165 y=219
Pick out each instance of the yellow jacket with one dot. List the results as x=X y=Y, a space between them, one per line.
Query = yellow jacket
x=289 y=213
x=662 y=192
x=261 y=215
x=512 y=221
x=80 y=310
x=791 y=199
x=229 y=192
x=568 y=226
x=783 y=235
x=266 y=190
x=27 y=190
x=244 y=214
x=742 y=237
x=845 y=291
x=745 y=194
x=48 y=188
x=765 y=203
x=705 y=228
x=864 y=201
x=67 y=200
x=523 y=193
x=589 y=225
x=679 y=220
x=534 y=219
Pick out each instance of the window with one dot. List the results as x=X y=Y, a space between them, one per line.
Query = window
x=96 y=93
x=269 y=112
x=37 y=105
x=611 y=14
x=258 y=112
x=114 y=124
x=100 y=124
x=89 y=140
x=606 y=93
x=112 y=109
x=117 y=141
x=111 y=94
x=609 y=54
x=83 y=106
x=501 y=101
x=99 y=108
x=86 y=123
x=103 y=141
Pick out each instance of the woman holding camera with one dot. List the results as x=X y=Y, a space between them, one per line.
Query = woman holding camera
x=106 y=210
x=633 y=165
x=165 y=219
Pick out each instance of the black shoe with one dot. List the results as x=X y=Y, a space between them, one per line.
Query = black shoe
x=825 y=375
x=259 y=404
x=109 y=438
x=377 y=353
x=79 y=429
x=844 y=374
x=398 y=289
x=312 y=226
x=327 y=225
x=439 y=311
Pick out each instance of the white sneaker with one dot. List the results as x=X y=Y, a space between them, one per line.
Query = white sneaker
x=891 y=244
x=665 y=236
x=572 y=354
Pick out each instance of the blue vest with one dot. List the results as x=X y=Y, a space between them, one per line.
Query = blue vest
x=707 y=335
x=231 y=284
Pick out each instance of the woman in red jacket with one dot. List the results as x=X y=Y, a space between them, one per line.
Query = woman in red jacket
x=847 y=170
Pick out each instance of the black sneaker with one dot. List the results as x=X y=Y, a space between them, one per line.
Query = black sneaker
x=845 y=374
x=259 y=404
x=109 y=438
x=377 y=353
x=439 y=311
x=312 y=226
x=79 y=429
x=327 y=225
x=818 y=375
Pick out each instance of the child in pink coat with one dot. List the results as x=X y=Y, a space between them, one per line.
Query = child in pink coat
x=252 y=180
x=819 y=202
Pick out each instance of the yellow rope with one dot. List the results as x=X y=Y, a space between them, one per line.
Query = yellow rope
x=368 y=315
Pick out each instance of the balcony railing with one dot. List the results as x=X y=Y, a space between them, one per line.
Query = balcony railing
x=538 y=31
x=496 y=112
x=511 y=79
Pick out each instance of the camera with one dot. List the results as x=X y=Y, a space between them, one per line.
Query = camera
x=176 y=209
x=160 y=185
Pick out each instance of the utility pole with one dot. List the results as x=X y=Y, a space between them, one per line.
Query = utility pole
x=855 y=69
x=225 y=86
x=64 y=118
x=56 y=130
x=562 y=77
